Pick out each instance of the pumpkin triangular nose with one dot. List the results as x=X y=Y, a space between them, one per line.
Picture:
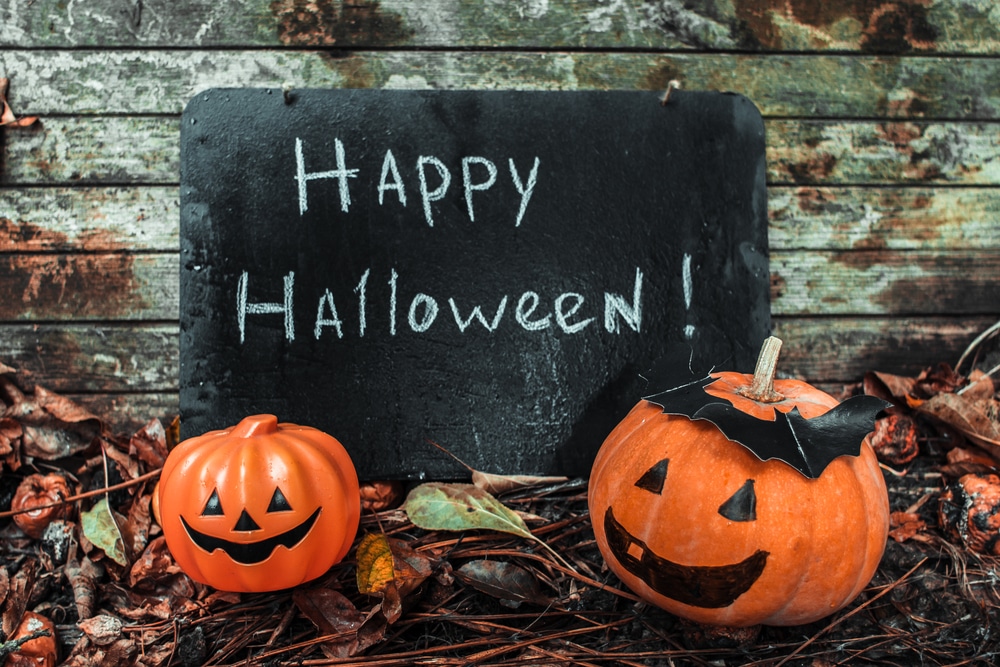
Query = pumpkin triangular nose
x=246 y=523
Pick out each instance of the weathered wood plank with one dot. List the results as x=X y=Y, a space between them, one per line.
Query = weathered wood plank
x=80 y=287
x=844 y=349
x=107 y=150
x=70 y=287
x=914 y=218
x=89 y=219
x=819 y=152
x=885 y=283
x=130 y=149
x=107 y=357
x=117 y=359
x=146 y=218
x=828 y=86
x=904 y=26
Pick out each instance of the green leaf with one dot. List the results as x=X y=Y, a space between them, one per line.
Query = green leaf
x=100 y=527
x=437 y=506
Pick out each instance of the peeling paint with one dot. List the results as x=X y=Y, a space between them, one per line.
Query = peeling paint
x=70 y=286
x=873 y=25
x=333 y=23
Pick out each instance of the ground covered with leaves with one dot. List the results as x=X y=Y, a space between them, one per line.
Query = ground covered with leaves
x=508 y=573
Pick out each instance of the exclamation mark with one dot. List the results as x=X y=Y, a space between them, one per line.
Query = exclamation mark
x=686 y=275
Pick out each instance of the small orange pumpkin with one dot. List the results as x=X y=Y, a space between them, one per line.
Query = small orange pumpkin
x=259 y=507
x=700 y=526
x=41 y=651
x=40 y=499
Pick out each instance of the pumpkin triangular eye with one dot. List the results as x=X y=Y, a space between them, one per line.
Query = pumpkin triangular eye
x=654 y=478
x=213 y=507
x=278 y=502
x=742 y=505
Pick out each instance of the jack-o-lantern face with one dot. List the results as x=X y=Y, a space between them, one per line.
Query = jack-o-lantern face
x=250 y=553
x=262 y=506
x=698 y=525
x=698 y=585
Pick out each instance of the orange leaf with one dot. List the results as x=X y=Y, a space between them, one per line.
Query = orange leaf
x=7 y=117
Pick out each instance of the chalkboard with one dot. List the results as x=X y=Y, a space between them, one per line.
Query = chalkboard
x=488 y=270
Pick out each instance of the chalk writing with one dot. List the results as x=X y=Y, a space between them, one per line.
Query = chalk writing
x=688 y=288
x=434 y=178
x=567 y=311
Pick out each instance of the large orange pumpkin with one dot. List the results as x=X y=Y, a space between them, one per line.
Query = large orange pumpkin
x=259 y=507
x=700 y=526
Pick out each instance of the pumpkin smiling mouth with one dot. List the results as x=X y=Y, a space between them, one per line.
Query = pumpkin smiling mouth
x=253 y=552
x=709 y=586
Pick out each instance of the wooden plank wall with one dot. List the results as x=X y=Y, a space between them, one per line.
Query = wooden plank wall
x=883 y=149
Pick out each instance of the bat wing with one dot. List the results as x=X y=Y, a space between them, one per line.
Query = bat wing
x=808 y=445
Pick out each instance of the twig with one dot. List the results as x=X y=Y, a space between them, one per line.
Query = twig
x=89 y=494
x=14 y=645
x=975 y=343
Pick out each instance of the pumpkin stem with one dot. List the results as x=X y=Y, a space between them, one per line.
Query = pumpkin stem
x=255 y=425
x=762 y=388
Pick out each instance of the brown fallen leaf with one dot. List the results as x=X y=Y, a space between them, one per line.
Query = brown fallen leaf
x=102 y=629
x=978 y=420
x=498 y=484
x=7 y=117
x=149 y=444
x=155 y=570
x=390 y=568
x=19 y=591
x=381 y=495
x=888 y=387
x=904 y=525
x=52 y=426
x=509 y=583
x=349 y=630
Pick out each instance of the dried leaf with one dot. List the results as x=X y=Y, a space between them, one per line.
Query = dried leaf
x=977 y=420
x=136 y=526
x=904 y=525
x=888 y=387
x=101 y=527
x=937 y=380
x=53 y=426
x=156 y=570
x=498 y=484
x=7 y=117
x=508 y=582
x=149 y=444
x=4 y=585
x=390 y=568
x=375 y=564
x=83 y=575
x=438 y=506
x=10 y=443
x=18 y=594
x=102 y=629
x=380 y=495
x=330 y=611
x=980 y=387
x=333 y=614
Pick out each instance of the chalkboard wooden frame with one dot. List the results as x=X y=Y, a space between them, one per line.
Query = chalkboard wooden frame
x=490 y=270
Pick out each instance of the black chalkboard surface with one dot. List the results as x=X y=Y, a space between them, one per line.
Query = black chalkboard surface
x=487 y=270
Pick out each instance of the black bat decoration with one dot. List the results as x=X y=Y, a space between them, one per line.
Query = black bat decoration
x=808 y=445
